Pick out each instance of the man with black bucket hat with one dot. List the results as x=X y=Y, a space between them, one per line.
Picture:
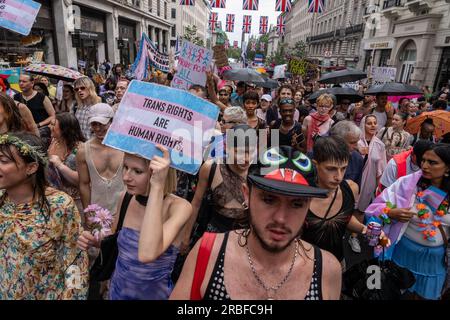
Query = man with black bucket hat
x=266 y=259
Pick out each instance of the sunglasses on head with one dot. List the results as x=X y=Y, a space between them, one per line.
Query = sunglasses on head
x=79 y=88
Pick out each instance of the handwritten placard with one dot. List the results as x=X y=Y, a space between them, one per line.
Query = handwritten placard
x=18 y=15
x=193 y=62
x=151 y=114
x=382 y=75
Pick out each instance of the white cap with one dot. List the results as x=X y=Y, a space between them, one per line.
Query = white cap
x=266 y=97
x=101 y=112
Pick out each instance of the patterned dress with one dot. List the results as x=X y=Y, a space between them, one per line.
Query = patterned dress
x=39 y=255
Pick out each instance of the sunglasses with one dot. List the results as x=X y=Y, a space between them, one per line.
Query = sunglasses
x=79 y=88
x=227 y=122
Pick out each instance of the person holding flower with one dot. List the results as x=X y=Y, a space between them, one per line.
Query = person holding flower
x=39 y=228
x=152 y=233
x=415 y=214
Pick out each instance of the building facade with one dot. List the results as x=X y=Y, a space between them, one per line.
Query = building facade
x=197 y=15
x=298 y=23
x=274 y=41
x=337 y=32
x=412 y=36
x=77 y=33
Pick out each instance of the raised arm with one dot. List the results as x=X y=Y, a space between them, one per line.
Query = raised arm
x=158 y=230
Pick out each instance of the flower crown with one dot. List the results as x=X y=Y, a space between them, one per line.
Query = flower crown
x=24 y=148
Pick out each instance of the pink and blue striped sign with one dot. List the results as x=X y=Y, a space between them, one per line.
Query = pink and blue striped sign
x=151 y=114
x=18 y=15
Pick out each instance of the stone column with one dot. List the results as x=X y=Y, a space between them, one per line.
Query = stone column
x=112 y=34
x=64 y=22
x=160 y=40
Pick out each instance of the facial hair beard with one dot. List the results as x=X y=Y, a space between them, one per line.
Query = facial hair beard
x=264 y=245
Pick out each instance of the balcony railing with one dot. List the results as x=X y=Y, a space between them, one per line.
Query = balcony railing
x=354 y=29
x=371 y=9
x=392 y=3
x=321 y=36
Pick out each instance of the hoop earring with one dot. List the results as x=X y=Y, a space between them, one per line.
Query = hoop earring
x=244 y=205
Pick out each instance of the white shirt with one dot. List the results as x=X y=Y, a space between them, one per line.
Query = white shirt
x=390 y=173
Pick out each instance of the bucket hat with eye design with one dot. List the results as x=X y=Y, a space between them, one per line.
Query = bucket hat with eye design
x=287 y=171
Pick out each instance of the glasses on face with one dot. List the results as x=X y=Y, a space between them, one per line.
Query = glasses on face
x=79 y=88
x=227 y=122
x=286 y=101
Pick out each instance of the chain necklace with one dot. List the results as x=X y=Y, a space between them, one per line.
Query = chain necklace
x=270 y=289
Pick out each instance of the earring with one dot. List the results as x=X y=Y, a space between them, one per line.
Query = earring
x=245 y=205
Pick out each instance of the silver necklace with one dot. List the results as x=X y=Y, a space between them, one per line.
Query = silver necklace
x=271 y=289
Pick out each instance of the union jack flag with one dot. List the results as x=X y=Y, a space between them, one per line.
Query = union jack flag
x=263 y=23
x=230 y=23
x=187 y=2
x=218 y=3
x=235 y=44
x=261 y=46
x=247 y=24
x=253 y=46
x=213 y=20
x=227 y=44
x=250 y=5
x=283 y=5
x=281 y=25
x=316 y=6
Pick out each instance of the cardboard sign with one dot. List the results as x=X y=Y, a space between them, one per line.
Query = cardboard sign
x=300 y=66
x=279 y=71
x=382 y=75
x=220 y=56
x=193 y=62
x=151 y=114
x=18 y=15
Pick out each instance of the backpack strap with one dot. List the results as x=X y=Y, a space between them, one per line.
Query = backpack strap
x=204 y=252
x=212 y=171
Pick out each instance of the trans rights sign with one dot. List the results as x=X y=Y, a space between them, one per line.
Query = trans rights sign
x=18 y=15
x=193 y=62
x=151 y=114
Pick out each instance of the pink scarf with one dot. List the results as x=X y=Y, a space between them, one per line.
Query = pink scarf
x=313 y=129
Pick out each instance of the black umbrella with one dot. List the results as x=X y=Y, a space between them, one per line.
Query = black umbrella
x=340 y=93
x=393 y=89
x=243 y=74
x=268 y=83
x=341 y=76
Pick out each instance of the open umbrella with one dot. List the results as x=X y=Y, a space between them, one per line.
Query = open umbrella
x=243 y=74
x=268 y=83
x=393 y=89
x=341 y=76
x=340 y=93
x=53 y=71
x=441 y=120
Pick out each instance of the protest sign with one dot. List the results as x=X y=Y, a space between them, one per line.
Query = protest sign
x=12 y=75
x=380 y=75
x=151 y=114
x=220 y=56
x=193 y=62
x=279 y=71
x=18 y=15
x=148 y=55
